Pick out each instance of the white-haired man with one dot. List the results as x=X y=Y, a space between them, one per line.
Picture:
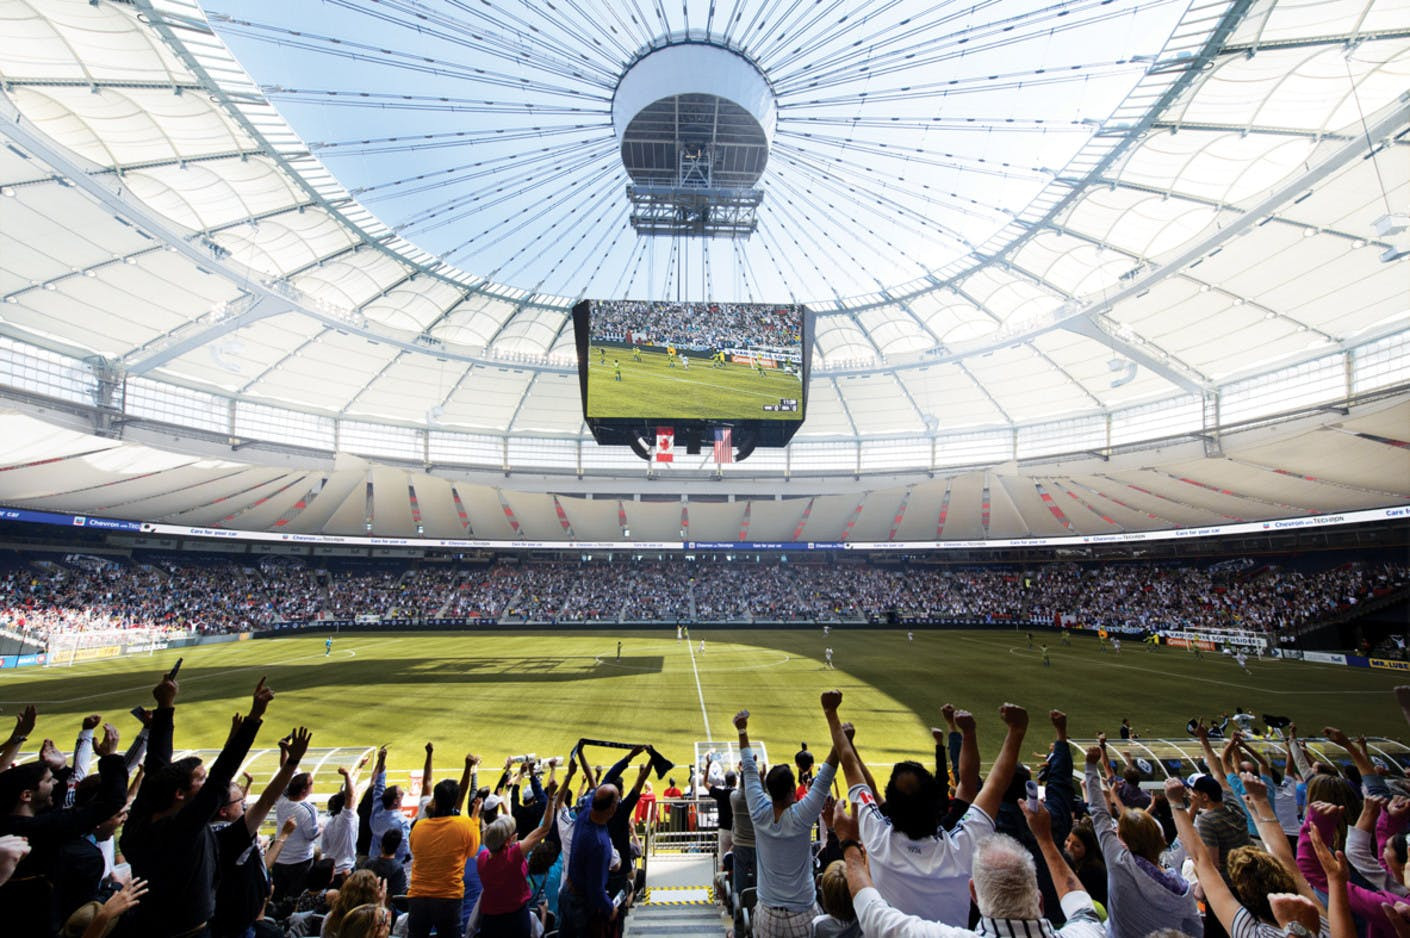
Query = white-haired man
x=1003 y=884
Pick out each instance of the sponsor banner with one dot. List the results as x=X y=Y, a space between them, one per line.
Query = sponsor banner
x=367 y=618
x=1176 y=642
x=1358 y=661
x=9 y=661
x=1249 y=527
x=25 y=661
x=1290 y=653
x=1323 y=657
x=1389 y=664
x=92 y=654
x=244 y=636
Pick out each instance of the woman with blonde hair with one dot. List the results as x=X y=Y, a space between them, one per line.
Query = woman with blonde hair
x=840 y=918
x=1142 y=896
x=370 y=920
x=361 y=888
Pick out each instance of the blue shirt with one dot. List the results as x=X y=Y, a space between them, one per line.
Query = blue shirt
x=784 y=846
x=589 y=861
x=384 y=819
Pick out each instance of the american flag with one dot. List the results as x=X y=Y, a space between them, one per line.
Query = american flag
x=724 y=445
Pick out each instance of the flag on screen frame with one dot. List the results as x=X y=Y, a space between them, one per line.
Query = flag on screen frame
x=724 y=445
x=665 y=444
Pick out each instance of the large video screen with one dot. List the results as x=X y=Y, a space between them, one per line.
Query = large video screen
x=680 y=361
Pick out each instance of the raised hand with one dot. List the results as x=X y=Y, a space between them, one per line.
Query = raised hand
x=24 y=721
x=831 y=700
x=125 y=898
x=165 y=692
x=964 y=720
x=262 y=696
x=843 y=823
x=298 y=743
x=343 y=771
x=91 y=721
x=1288 y=908
x=849 y=731
x=1094 y=755
x=1059 y=721
x=471 y=759
x=1201 y=730
x=291 y=824
x=1254 y=786
x=109 y=743
x=1175 y=790
x=1014 y=716
x=741 y=720
x=1040 y=822
x=430 y=748
x=1398 y=806
x=1398 y=915
x=13 y=849
x=1334 y=865
x=50 y=755
x=1336 y=736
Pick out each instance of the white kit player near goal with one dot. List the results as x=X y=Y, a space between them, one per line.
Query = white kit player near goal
x=827 y=653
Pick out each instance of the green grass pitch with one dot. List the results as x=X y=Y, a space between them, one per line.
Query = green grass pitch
x=650 y=389
x=499 y=693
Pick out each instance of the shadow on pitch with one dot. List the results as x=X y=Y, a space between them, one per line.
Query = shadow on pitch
x=213 y=683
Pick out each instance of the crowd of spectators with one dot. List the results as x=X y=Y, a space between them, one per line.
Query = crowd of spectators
x=696 y=325
x=140 y=843
x=170 y=596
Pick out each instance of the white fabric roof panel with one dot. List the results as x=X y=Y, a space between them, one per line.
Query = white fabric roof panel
x=486 y=514
x=1040 y=391
x=208 y=195
x=340 y=485
x=176 y=495
x=715 y=521
x=654 y=521
x=771 y=520
x=553 y=404
x=285 y=242
x=964 y=521
x=243 y=357
x=128 y=126
x=350 y=517
x=69 y=41
x=391 y=500
x=873 y=522
x=31 y=440
x=1096 y=498
x=259 y=508
x=1088 y=363
x=1006 y=519
x=328 y=373
x=593 y=516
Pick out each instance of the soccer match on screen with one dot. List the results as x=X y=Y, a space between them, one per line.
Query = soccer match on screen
x=695 y=361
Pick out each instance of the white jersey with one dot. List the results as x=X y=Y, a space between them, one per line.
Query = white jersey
x=828 y=653
x=927 y=877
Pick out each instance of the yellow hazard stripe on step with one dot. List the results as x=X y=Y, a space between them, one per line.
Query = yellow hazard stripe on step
x=679 y=895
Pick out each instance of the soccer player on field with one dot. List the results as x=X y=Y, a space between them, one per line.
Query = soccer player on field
x=328 y=646
x=616 y=369
x=1116 y=645
x=1047 y=662
x=827 y=653
x=685 y=362
x=636 y=353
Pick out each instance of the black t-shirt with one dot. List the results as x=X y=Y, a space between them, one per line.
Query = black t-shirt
x=726 y=813
x=390 y=869
x=244 y=884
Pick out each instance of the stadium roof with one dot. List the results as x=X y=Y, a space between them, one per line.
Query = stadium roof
x=1147 y=255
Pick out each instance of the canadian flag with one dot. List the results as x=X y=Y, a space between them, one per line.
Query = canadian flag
x=665 y=444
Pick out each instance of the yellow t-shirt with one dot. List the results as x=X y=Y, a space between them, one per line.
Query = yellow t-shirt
x=439 y=848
